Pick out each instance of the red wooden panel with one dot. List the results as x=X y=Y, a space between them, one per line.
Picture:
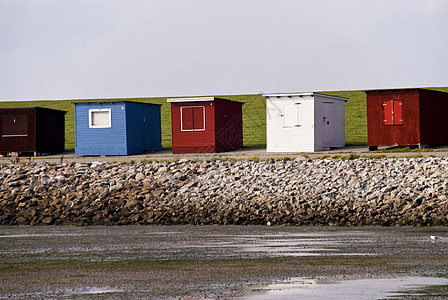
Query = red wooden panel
x=198 y=118
x=403 y=133
x=186 y=141
x=229 y=130
x=398 y=112
x=388 y=112
x=187 y=118
x=194 y=149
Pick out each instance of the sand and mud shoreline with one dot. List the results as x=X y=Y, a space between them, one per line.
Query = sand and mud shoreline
x=211 y=262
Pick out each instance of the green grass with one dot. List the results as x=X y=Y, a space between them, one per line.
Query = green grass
x=254 y=116
x=406 y=149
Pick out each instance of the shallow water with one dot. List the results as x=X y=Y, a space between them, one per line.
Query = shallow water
x=259 y=262
x=95 y=291
x=370 y=288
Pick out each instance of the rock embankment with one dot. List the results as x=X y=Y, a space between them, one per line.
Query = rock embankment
x=387 y=191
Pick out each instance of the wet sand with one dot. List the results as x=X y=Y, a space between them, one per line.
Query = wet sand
x=163 y=262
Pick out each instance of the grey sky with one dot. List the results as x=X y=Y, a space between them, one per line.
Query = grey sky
x=71 y=49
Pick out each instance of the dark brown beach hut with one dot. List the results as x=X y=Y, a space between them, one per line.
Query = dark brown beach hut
x=34 y=130
x=407 y=117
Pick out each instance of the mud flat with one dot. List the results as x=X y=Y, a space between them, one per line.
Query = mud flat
x=172 y=262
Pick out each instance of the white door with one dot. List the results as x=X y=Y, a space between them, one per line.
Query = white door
x=328 y=123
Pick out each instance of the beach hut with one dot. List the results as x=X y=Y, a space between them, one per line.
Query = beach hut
x=117 y=128
x=304 y=122
x=34 y=130
x=407 y=117
x=206 y=125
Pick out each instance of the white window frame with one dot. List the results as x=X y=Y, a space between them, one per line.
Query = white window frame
x=297 y=112
x=181 y=118
x=93 y=110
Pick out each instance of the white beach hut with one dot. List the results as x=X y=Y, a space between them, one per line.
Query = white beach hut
x=304 y=122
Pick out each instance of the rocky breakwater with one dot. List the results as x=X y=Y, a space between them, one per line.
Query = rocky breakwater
x=387 y=191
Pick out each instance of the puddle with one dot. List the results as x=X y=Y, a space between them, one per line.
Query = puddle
x=294 y=245
x=371 y=288
x=96 y=290
x=62 y=293
x=38 y=235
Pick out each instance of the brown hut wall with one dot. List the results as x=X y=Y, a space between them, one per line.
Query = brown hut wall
x=10 y=143
x=434 y=117
x=50 y=130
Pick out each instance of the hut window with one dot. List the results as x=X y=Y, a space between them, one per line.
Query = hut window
x=290 y=115
x=100 y=118
x=192 y=118
x=393 y=112
x=14 y=125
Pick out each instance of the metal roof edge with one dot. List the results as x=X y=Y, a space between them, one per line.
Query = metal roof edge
x=33 y=107
x=288 y=94
x=118 y=101
x=301 y=94
x=199 y=99
x=333 y=97
x=391 y=90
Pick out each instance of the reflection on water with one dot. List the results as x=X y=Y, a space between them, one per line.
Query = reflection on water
x=96 y=290
x=370 y=288
x=282 y=245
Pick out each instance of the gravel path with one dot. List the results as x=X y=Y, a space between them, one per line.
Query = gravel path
x=246 y=153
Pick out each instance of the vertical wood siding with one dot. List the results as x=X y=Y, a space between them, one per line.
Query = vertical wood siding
x=143 y=127
x=228 y=125
x=386 y=132
x=433 y=117
x=193 y=141
x=223 y=129
x=50 y=130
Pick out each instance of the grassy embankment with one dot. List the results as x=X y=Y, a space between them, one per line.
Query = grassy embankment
x=254 y=116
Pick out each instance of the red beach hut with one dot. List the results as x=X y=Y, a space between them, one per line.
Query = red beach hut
x=406 y=117
x=206 y=125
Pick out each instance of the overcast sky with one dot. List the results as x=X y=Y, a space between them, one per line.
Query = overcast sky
x=72 y=49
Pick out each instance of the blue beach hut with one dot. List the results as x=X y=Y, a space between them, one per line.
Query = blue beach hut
x=117 y=128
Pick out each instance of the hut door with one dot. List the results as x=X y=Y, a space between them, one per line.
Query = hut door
x=328 y=123
x=147 y=134
x=230 y=128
